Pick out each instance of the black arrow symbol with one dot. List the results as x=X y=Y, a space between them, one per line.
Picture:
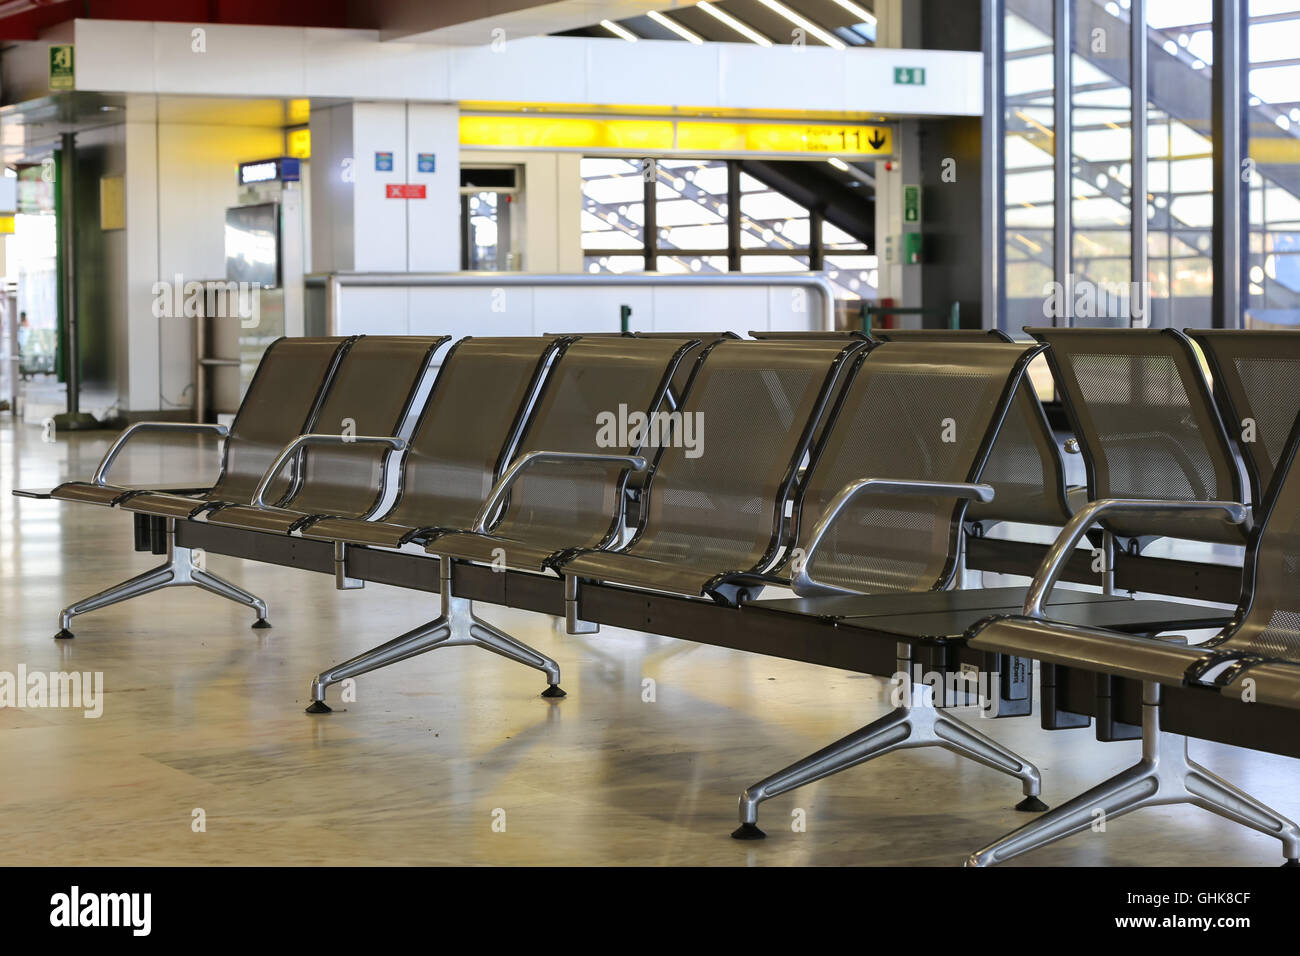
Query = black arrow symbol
x=877 y=139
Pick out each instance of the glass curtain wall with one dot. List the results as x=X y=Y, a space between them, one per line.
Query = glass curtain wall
x=1169 y=45
x=1273 y=124
x=673 y=216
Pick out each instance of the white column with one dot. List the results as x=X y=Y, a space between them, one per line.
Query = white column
x=359 y=151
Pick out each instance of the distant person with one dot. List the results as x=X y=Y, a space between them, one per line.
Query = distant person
x=24 y=331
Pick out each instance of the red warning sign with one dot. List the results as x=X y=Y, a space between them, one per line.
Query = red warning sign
x=405 y=191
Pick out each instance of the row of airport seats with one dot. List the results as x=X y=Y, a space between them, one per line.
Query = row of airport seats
x=665 y=481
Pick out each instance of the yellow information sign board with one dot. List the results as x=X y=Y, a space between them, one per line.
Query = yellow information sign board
x=794 y=138
x=687 y=137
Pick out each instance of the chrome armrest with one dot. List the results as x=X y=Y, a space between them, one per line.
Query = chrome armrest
x=100 y=477
x=525 y=461
x=1057 y=556
x=315 y=438
x=801 y=582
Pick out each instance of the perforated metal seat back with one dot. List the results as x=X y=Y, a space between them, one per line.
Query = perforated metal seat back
x=1271 y=625
x=1025 y=465
x=913 y=411
x=372 y=390
x=716 y=501
x=592 y=390
x=477 y=407
x=1147 y=425
x=1255 y=375
x=281 y=403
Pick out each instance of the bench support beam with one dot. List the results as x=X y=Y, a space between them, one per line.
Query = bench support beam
x=178 y=570
x=456 y=626
x=917 y=723
x=1165 y=775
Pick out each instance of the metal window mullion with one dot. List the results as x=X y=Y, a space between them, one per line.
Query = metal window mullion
x=992 y=169
x=1062 y=258
x=651 y=217
x=1226 y=115
x=733 y=215
x=1138 y=48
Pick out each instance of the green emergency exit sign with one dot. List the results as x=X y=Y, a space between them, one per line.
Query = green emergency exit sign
x=909 y=76
x=911 y=204
x=62 y=74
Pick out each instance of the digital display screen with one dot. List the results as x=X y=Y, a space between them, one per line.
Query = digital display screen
x=253 y=244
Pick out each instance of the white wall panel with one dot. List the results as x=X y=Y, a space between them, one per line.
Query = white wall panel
x=379 y=224
x=433 y=223
x=288 y=61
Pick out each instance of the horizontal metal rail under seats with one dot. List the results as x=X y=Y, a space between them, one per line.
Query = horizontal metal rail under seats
x=1148 y=428
x=1025 y=467
x=1254 y=661
x=879 y=511
x=565 y=487
x=1255 y=376
x=283 y=400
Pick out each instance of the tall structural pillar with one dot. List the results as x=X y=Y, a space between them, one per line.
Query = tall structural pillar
x=385 y=187
x=898 y=26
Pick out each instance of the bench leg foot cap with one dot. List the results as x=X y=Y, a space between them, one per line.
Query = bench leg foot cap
x=261 y=624
x=1292 y=863
x=320 y=707
x=64 y=635
x=1031 y=805
x=748 y=831
x=554 y=691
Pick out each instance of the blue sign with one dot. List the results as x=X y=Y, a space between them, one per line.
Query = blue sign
x=425 y=163
x=383 y=162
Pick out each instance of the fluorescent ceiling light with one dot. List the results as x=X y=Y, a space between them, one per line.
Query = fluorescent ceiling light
x=619 y=31
x=744 y=29
x=863 y=15
x=839 y=164
x=803 y=22
x=676 y=27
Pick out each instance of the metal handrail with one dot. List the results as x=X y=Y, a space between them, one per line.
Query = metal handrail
x=316 y=438
x=100 y=477
x=1057 y=556
x=523 y=462
x=802 y=582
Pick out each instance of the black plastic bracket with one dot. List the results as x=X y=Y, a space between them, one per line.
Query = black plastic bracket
x=1109 y=726
x=1051 y=683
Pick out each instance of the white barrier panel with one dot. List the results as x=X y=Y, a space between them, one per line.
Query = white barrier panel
x=520 y=303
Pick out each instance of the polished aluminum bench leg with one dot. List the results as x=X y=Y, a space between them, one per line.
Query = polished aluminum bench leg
x=177 y=571
x=456 y=626
x=1164 y=775
x=915 y=724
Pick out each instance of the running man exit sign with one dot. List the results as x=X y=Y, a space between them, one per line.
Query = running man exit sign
x=909 y=76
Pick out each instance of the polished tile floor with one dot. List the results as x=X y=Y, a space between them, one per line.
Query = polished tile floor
x=203 y=714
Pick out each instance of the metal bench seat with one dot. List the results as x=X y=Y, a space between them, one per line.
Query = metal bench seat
x=463 y=439
x=1255 y=373
x=283 y=400
x=1025 y=466
x=497 y=401
x=1255 y=658
x=338 y=468
x=1148 y=428
x=566 y=486
x=722 y=510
